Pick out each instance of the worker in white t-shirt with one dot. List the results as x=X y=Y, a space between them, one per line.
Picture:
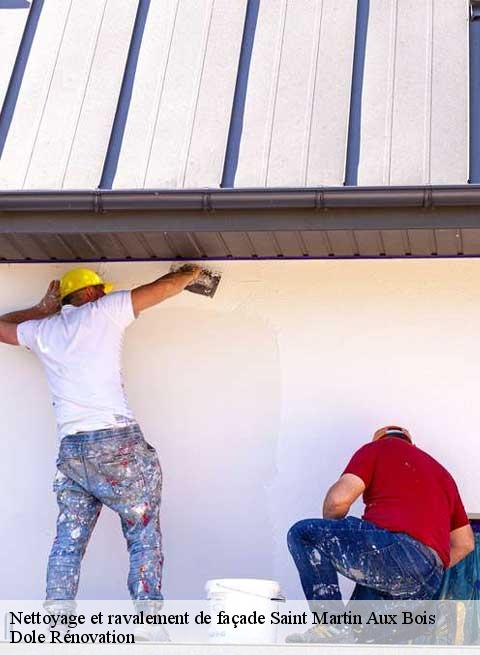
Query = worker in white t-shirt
x=77 y=332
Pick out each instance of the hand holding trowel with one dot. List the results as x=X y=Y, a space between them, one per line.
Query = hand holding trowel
x=206 y=283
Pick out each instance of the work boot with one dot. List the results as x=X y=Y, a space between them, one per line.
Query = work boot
x=322 y=634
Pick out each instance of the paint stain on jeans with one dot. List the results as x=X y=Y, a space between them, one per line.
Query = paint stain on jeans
x=119 y=469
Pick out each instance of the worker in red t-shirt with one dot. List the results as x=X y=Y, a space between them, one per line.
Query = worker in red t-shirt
x=413 y=528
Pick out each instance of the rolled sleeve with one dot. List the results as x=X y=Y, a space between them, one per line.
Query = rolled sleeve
x=27 y=333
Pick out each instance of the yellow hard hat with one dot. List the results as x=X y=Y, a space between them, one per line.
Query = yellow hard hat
x=79 y=278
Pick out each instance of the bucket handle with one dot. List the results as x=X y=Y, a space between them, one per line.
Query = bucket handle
x=278 y=599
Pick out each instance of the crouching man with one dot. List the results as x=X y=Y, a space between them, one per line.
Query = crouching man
x=413 y=528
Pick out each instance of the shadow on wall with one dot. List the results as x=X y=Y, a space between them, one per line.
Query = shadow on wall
x=195 y=386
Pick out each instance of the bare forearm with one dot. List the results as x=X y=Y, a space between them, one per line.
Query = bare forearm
x=48 y=305
x=167 y=286
x=31 y=314
x=176 y=282
x=170 y=284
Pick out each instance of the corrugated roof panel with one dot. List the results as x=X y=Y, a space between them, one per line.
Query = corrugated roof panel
x=147 y=94
x=33 y=95
x=209 y=124
x=100 y=97
x=238 y=244
x=50 y=245
x=30 y=247
x=77 y=245
x=395 y=243
x=291 y=244
x=183 y=245
x=135 y=247
x=12 y=24
x=264 y=244
x=369 y=243
x=449 y=156
x=415 y=93
x=471 y=241
x=62 y=249
x=317 y=243
x=126 y=245
x=297 y=103
x=342 y=243
x=211 y=243
x=159 y=244
x=449 y=242
x=9 y=249
x=178 y=121
x=111 y=244
x=422 y=243
x=67 y=101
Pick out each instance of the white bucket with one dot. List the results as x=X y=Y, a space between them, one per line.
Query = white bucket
x=243 y=597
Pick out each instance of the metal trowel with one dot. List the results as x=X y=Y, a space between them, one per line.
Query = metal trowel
x=205 y=285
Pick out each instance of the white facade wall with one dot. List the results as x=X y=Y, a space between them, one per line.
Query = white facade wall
x=255 y=400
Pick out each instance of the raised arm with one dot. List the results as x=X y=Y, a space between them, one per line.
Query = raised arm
x=462 y=542
x=48 y=305
x=341 y=496
x=165 y=287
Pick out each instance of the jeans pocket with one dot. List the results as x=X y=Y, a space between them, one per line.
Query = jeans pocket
x=390 y=569
x=151 y=469
x=122 y=474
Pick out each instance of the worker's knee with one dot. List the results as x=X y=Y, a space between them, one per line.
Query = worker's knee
x=297 y=533
x=309 y=532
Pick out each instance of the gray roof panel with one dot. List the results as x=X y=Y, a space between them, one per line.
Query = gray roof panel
x=12 y=24
x=176 y=117
x=415 y=100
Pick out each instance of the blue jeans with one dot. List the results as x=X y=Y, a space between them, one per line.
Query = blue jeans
x=384 y=564
x=119 y=469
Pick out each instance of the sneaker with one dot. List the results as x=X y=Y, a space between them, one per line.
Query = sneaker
x=322 y=634
x=151 y=633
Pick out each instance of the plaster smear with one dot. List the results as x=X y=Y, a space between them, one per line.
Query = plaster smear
x=255 y=401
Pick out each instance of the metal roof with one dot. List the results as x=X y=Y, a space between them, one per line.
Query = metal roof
x=138 y=94
x=179 y=98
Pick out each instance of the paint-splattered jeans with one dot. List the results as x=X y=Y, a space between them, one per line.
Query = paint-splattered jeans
x=117 y=468
x=385 y=565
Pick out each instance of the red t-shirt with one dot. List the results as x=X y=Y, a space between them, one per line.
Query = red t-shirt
x=408 y=491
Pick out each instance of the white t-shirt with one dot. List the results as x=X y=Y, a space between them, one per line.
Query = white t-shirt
x=80 y=349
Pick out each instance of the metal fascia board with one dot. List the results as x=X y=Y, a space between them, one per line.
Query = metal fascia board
x=202 y=200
